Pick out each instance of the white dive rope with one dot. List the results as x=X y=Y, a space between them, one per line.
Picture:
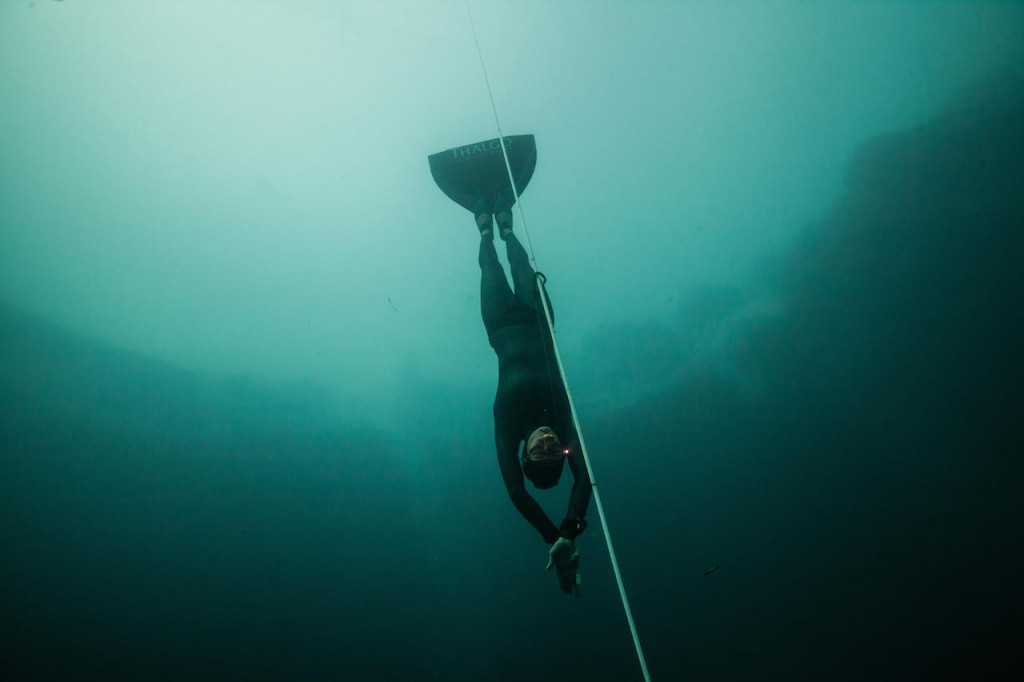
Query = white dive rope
x=561 y=369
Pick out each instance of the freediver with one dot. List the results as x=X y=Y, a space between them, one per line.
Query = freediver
x=531 y=405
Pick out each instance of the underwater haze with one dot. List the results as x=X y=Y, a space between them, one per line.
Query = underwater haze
x=245 y=391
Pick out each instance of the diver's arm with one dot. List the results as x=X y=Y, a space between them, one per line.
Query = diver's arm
x=508 y=460
x=579 y=499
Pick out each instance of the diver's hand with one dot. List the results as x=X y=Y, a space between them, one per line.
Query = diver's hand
x=564 y=556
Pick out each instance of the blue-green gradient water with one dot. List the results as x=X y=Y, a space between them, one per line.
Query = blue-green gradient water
x=245 y=393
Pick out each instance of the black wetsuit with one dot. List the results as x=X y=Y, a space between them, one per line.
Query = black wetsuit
x=530 y=391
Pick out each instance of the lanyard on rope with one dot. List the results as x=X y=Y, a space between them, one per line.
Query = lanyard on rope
x=561 y=368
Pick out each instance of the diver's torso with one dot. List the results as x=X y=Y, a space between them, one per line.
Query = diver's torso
x=530 y=391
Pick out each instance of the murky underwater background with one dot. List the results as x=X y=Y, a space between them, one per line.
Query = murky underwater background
x=245 y=394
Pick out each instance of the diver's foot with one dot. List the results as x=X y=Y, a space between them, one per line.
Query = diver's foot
x=503 y=213
x=484 y=223
x=483 y=215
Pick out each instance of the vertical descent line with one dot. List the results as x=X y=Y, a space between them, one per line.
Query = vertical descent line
x=501 y=137
x=561 y=367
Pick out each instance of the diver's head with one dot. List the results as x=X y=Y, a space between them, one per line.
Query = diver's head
x=543 y=457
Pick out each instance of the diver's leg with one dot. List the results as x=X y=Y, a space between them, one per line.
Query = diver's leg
x=522 y=274
x=495 y=293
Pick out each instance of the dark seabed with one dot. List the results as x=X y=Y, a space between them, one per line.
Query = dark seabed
x=853 y=468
